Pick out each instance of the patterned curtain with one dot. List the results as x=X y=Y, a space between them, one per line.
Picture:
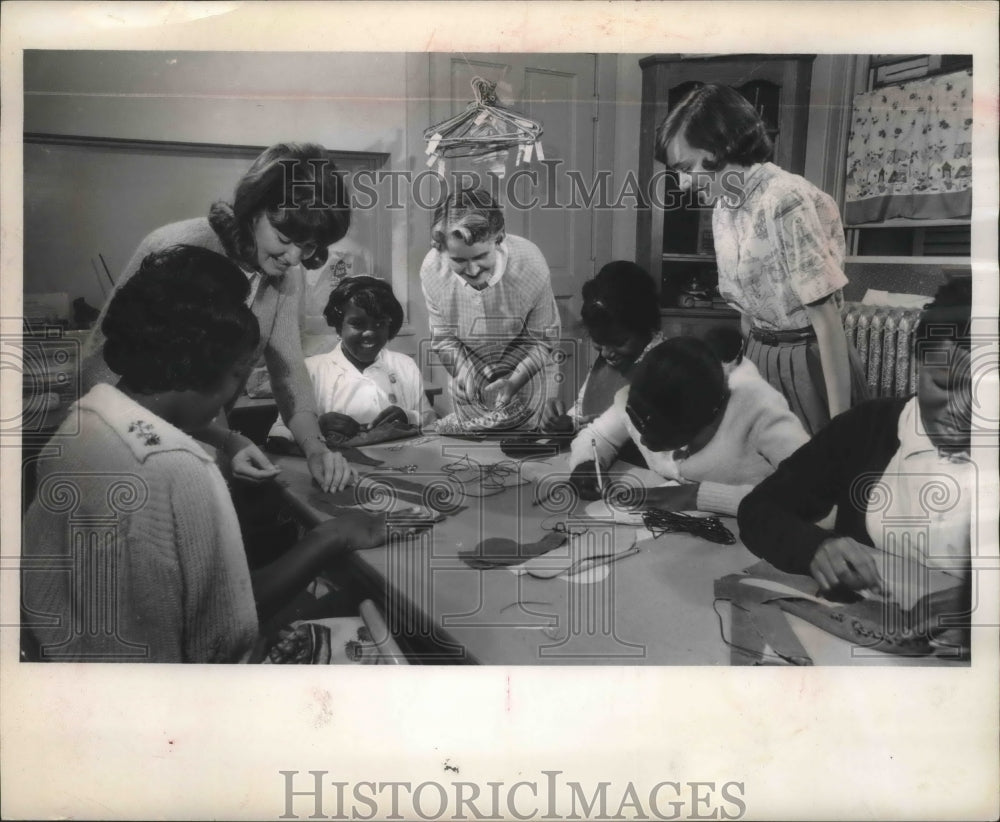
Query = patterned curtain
x=909 y=152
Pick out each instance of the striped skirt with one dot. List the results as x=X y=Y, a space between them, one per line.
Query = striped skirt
x=793 y=367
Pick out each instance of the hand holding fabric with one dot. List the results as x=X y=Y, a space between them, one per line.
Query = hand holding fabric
x=843 y=561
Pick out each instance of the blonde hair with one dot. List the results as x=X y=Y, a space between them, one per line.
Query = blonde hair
x=470 y=214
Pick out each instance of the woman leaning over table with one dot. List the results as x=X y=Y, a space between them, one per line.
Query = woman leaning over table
x=779 y=246
x=287 y=208
x=878 y=464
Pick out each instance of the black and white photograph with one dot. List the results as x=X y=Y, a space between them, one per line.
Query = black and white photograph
x=576 y=361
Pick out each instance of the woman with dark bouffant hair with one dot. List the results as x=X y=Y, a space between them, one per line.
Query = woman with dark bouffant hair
x=622 y=317
x=164 y=577
x=779 y=246
x=289 y=206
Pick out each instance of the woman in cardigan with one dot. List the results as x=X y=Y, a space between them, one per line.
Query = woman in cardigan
x=290 y=205
x=779 y=246
x=622 y=317
x=876 y=463
x=164 y=577
x=717 y=438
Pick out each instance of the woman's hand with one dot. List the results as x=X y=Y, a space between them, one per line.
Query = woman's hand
x=330 y=470
x=843 y=561
x=247 y=462
x=498 y=393
x=469 y=383
x=584 y=480
x=393 y=415
x=554 y=419
x=354 y=531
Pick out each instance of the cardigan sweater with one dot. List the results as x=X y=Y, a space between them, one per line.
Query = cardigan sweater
x=756 y=433
x=275 y=304
x=133 y=543
x=514 y=318
x=777 y=519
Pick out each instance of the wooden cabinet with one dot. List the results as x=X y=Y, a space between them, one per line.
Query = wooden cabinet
x=674 y=234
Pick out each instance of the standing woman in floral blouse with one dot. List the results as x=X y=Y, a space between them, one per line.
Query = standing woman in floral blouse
x=779 y=246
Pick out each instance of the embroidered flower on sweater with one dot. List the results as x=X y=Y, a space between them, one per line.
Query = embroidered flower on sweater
x=144 y=431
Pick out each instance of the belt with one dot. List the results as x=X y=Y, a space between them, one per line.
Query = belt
x=794 y=335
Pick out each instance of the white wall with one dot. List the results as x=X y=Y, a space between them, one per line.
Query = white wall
x=346 y=101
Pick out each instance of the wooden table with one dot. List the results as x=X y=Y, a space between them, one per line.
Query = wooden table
x=652 y=607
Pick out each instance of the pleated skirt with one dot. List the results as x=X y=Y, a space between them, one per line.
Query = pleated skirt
x=795 y=369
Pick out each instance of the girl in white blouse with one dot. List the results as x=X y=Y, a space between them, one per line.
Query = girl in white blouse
x=361 y=384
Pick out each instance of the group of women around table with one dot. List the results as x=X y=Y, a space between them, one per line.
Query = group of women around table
x=767 y=424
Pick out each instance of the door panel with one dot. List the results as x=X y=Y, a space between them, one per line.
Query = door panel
x=558 y=91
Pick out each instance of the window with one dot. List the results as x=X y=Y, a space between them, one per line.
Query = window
x=938 y=235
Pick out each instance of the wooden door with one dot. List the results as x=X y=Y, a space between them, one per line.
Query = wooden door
x=560 y=92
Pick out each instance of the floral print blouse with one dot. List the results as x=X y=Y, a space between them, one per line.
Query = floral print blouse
x=778 y=249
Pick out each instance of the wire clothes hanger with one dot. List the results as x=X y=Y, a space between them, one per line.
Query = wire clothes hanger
x=484 y=128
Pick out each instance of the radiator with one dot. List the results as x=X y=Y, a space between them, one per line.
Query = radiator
x=884 y=338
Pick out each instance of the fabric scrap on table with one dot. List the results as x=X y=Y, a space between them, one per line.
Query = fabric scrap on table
x=759 y=631
x=879 y=624
x=501 y=552
x=584 y=551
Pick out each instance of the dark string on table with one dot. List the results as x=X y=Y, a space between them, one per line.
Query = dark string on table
x=660 y=522
x=492 y=477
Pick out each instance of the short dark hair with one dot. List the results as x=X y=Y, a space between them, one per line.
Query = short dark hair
x=719 y=120
x=726 y=343
x=298 y=187
x=470 y=214
x=683 y=380
x=949 y=315
x=180 y=322
x=621 y=295
x=371 y=295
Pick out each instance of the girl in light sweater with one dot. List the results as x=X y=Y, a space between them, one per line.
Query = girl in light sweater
x=132 y=548
x=717 y=438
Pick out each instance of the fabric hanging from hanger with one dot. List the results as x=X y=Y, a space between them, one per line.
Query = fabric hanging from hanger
x=909 y=151
x=485 y=130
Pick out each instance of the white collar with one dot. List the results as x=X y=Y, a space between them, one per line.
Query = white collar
x=139 y=428
x=913 y=439
x=339 y=358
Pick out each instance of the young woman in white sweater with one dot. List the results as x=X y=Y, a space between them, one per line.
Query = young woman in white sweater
x=715 y=436
x=132 y=549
